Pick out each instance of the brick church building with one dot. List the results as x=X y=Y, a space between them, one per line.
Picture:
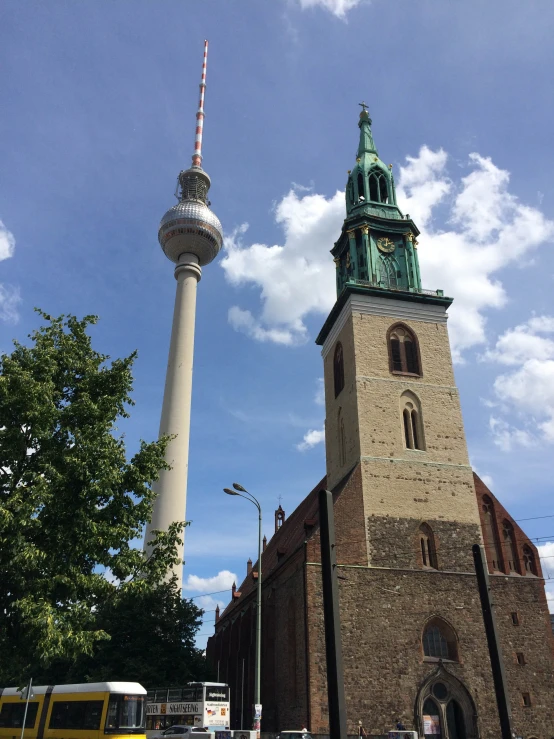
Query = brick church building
x=408 y=509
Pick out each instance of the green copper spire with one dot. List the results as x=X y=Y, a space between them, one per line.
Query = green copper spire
x=376 y=252
x=378 y=243
x=366 y=145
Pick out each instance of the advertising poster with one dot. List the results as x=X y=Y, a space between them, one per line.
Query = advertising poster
x=431 y=725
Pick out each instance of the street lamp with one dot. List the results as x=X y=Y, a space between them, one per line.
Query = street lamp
x=239 y=490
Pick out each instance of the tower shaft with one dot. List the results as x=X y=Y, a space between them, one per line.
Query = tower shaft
x=191 y=236
x=171 y=487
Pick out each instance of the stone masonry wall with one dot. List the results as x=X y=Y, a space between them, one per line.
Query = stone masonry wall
x=383 y=613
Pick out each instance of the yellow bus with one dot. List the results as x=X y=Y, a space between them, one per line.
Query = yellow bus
x=86 y=711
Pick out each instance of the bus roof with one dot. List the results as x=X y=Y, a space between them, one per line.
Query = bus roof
x=209 y=685
x=135 y=688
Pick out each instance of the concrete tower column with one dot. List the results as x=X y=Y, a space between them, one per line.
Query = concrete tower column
x=191 y=236
x=171 y=486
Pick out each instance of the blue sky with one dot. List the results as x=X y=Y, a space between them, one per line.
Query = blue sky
x=98 y=103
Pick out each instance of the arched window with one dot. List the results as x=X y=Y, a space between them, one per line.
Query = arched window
x=427 y=546
x=342 y=439
x=373 y=180
x=361 y=195
x=338 y=369
x=439 y=640
x=529 y=563
x=383 y=189
x=510 y=552
x=389 y=270
x=378 y=187
x=351 y=191
x=403 y=351
x=491 y=537
x=412 y=424
x=444 y=708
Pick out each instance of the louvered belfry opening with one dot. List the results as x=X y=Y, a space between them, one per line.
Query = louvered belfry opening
x=404 y=355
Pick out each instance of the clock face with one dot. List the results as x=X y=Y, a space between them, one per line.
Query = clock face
x=385 y=245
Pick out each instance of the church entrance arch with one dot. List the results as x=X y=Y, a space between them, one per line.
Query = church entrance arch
x=444 y=708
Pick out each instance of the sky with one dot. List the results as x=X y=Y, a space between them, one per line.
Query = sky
x=98 y=102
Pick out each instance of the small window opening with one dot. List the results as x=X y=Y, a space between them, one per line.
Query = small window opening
x=342 y=440
x=427 y=544
x=383 y=190
x=338 y=369
x=373 y=188
x=526 y=699
x=520 y=658
x=361 y=195
x=408 y=438
x=413 y=430
x=515 y=618
x=395 y=354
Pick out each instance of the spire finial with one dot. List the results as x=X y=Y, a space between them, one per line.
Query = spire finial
x=363 y=106
x=197 y=156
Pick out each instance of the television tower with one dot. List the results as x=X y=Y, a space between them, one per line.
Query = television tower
x=190 y=235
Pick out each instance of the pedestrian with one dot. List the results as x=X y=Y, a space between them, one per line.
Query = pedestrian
x=363 y=732
x=400 y=726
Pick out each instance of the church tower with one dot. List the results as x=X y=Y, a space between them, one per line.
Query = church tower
x=392 y=406
x=407 y=510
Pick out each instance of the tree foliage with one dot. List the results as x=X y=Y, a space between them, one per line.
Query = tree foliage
x=71 y=505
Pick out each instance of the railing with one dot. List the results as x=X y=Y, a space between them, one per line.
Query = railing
x=397 y=288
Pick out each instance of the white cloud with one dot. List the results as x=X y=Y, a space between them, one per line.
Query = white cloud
x=483 y=228
x=487 y=228
x=320 y=392
x=528 y=386
x=9 y=295
x=337 y=7
x=222 y=581
x=311 y=438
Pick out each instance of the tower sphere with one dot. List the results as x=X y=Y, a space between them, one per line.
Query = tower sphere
x=190 y=227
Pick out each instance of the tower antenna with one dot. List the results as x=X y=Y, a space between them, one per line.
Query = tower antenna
x=197 y=156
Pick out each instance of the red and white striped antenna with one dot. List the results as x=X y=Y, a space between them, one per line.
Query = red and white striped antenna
x=197 y=156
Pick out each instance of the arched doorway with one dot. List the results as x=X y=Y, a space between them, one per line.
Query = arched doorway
x=444 y=708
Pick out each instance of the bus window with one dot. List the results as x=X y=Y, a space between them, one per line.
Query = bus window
x=76 y=715
x=11 y=716
x=125 y=712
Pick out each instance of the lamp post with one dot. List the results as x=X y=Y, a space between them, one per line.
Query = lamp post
x=239 y=490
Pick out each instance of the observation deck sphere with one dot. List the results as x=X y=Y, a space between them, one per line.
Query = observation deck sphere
x=190 y=227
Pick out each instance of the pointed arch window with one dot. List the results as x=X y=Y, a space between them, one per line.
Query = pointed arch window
x=490 y=533
x=529 y=562
x=403 y=351
x=378 y=187
x=412 y=425
x=338 y=368
x=351 y=191
x=388 y=267
x=427 y=546
x=439 y=640
x=342 y=439
x=361 y=194
x=510 y=547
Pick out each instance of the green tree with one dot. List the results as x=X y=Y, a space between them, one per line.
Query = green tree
x=71 y=505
